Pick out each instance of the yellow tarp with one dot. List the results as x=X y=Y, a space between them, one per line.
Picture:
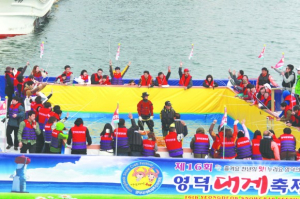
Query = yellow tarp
x=197 y=100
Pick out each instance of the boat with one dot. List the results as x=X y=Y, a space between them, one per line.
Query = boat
x=20 y=17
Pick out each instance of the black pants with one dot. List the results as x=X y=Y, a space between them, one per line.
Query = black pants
x=9 y=131
x=46 y=148
x=29 y=147
x=179 y=156
x=78 y=151
x=149 y=123
x=40 y=143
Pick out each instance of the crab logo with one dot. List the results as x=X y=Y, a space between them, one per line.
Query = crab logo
x=141 y=178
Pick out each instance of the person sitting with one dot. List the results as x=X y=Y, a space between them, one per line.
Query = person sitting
x=209 y=82
x=295 y=118
x=243 y=145
x=106 y=138
x=236 y=80
x=275 y=139
x=146 y=80
x=161 y=79
x=242 y=89
x=256 y=155
x=289 y=77
x=61 y=79
x=286 y=112
x=228 y=148
x=181 y=127
x=84 y=78
x=173 y=145
x=259 y=96
x=200 y=143
x=214 y=152
x=268 y=148
x=97 y=78
x=135 y=139
x=38 y=73
x=117 y=75
x=288 y=145
x=289 y=99
x=106 y=80
x=186 y=78
x=149 y=145
x=57 y=138
x=266 y=102
x=69 y=76
x=120 y=141
x=264 y=78
x=251 y=93
x=298 y=155
x=131 y=83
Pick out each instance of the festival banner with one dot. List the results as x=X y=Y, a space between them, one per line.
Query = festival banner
x=54 y=176
x=3 y=108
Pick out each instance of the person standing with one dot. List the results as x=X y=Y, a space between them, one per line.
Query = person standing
x=288 y=76
x=181 y=127
x=135 y=139
x=117 y=75
x=161 y=79
x=268 y=148
x=256 y=155
x=145 y=111
x=48 y=134
x=57 y=137
x=288 y=145
x=79 y=135
x=9 y=85
x=186 y=78
x=200 y=143
x=243 y=145
x=97 y=78
x=27 y=134
x=16 y=115
x=69 y=76
x=173 y=145
x=209 y=82
x=237 y=80
x=38 y=73
x=297 y=87
x=264 y=78
x=121 y=143
x=146 y=80
x=167 y=116
x=43 y=116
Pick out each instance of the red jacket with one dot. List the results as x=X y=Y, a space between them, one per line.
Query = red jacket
x=162 y=81
x=145 y=108
x=146 y=82
x=184 y=81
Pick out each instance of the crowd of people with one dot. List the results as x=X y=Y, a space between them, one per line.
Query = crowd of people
x=38 y=126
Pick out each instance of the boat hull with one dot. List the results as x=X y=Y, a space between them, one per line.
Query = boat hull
x=21 y=17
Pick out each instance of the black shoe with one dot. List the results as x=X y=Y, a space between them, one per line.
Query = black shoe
x=15 y=148
x=3 y=120
x=8 y=147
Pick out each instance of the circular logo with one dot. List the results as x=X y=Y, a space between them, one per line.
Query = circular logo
x=141 y=178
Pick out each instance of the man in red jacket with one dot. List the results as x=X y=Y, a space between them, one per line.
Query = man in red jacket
x=145 y=111
x=186 y=78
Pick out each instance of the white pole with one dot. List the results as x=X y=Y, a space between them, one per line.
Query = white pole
x=224 y=143
x=116 y=141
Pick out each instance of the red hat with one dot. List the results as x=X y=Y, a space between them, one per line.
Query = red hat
x=186 y=70
x=22 y=159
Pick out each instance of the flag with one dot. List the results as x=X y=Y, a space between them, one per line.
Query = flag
x=118 y=52
x=261 y=55
x=224 y=119
x=42 y=50
x=192 y=52
x=115 y=118
x=280 y=64
x=3 y=108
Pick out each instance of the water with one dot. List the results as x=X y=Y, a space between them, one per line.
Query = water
x=155 y=34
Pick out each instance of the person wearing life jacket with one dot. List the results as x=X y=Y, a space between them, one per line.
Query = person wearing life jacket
x=295 y=118
x=57 y=137
x=42 y=118
x=29 y=89
x=84 y=78
x=167 y=116
x=116 y=75
x=242 y=89
x=38 y=73
x=209 y=82
x=48 y=134
x=146 y=80
x=173 y=145
x=256 y=155
x=264 y=78
x=180 y=126
x=149 y=145
x=9 y=85
x=288 y=145
x=236 y=80
x=106 y=80
x=97 y=78
x=185 y=79
x=297 y=86
x=68 y=80
x=27 y=134
x=120 y=141
x=145 y=111
x=289 y=77
x=289 y=99
x=275 y=139
x=286 y=113
x=259 y=96
x=268 y=148
x=243 y=144
x=213 y=152
x=106 y=138
x=229 y=144
x=266 y=102
x=80 y=136
x=298 y=155
x=161 y=79
x=135 y=139
x=200 y=143
x=61 y=79
x=36 y=104
x=16 y=115
x=20 y=72
x=251 y=93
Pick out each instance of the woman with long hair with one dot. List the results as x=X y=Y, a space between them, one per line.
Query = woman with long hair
x=106 y=137
x=38 y=73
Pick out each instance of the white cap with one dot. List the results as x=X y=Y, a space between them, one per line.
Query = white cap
x=298 y=68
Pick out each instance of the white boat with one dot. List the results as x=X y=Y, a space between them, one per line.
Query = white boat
x=19 y=17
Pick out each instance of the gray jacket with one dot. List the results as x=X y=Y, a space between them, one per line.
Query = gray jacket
x=20 y=117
